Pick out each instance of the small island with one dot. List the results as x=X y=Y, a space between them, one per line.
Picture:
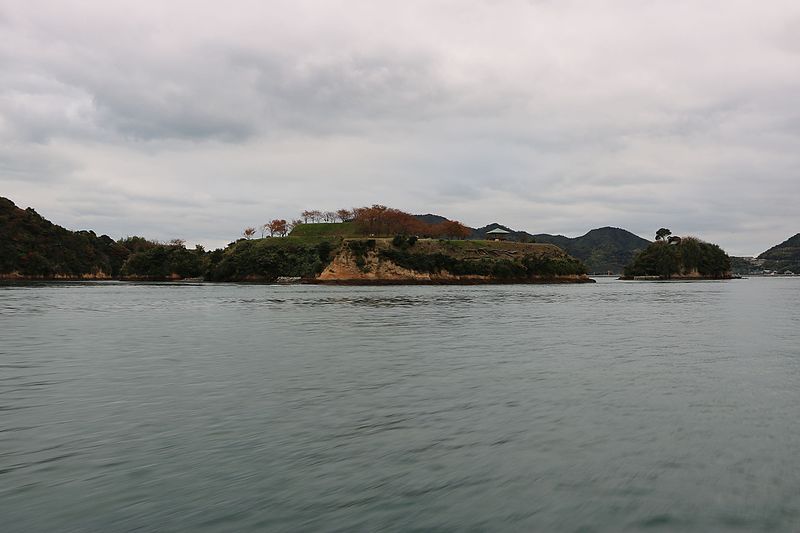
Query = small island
x=380 y=245
x=679 y=258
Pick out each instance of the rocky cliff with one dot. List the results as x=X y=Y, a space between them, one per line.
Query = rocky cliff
x=439 y=261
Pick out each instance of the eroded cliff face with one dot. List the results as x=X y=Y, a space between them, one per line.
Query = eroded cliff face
x=345 y=268
x=371 y=267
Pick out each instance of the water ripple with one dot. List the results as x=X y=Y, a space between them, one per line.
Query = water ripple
x=610 y=407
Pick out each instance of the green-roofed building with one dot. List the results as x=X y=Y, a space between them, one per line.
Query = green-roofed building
x=498 y=234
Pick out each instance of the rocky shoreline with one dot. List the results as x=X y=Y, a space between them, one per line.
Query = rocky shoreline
x=454 y=281
x=677 y=278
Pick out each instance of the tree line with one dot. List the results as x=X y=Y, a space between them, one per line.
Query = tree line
x=382 y=220
x=372 y=220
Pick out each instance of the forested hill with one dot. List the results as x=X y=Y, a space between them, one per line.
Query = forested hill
x=32 y=246
x=601 y=250
x=784 y=256
x=689 y=258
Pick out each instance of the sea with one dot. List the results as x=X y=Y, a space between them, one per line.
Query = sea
x=199 y=407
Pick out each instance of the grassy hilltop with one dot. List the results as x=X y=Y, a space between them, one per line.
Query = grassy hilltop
x=331 y=230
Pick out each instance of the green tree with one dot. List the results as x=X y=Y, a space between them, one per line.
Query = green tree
x=662 y=234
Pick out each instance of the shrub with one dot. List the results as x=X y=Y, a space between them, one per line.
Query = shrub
x=404 y=242
x=268 y=259
x=525 y=268
x=359 y=249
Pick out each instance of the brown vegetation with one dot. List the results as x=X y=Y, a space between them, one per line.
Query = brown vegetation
x=382 y=220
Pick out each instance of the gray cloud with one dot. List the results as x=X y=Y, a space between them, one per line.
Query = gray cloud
x=190 y=120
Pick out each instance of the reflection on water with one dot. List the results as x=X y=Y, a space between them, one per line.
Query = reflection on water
x=605 y=407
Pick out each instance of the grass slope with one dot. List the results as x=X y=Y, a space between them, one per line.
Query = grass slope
x=328 y=230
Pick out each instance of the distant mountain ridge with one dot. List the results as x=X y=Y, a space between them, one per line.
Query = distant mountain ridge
x=602 y=250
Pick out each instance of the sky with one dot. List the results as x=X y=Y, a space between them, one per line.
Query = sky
x=196 y=119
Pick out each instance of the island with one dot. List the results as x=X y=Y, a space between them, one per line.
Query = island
x=332 y=254
x=369 y=245
x=679 y=258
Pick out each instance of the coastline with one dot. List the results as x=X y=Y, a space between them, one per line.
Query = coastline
x=16 y=276
x=678 y=278
x=455 y=281
x=557 y=280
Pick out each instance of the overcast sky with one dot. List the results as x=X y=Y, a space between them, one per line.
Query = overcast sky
x=195 y=119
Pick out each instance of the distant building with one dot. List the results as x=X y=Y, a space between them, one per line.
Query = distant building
x=498 y=234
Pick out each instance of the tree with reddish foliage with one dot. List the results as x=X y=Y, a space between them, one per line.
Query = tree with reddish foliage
x=454 y=230
x=382 y=220
x=368 y=220
x=278 y=227
x=345 y=215
x=249 y=232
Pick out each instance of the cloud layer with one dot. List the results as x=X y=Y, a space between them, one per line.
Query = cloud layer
x=195 y=119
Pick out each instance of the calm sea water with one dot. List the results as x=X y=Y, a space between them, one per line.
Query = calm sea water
x=608 y=407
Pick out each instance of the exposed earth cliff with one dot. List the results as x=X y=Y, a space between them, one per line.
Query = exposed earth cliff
x=441 y=261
